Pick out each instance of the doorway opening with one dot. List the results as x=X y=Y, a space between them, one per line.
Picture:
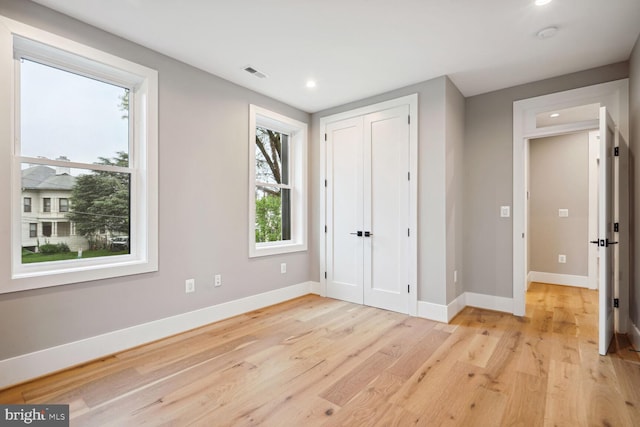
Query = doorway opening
x=527 y=127
x=562 y=209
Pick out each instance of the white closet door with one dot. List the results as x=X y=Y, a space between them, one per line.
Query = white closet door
x=368 y=209
x=386 y=209
x=344 y=206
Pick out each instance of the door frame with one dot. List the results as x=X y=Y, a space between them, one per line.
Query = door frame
x=615 y=96
x=412 y=102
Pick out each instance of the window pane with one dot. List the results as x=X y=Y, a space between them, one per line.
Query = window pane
x=63 y=205
x=70 y=117
x=93 y=215
x=273 y=214
x=27 y=204
x=272 y=156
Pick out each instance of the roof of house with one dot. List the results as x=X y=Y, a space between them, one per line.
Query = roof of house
x=45 y=178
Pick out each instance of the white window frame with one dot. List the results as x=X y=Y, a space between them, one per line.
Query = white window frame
x=297 y=132
x=20 y=40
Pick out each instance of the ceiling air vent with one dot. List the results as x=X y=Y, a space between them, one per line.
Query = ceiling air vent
x=249 y=69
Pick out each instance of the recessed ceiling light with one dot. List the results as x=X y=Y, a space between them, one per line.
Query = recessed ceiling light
x=542 y=2
x=547 y=33
x=311 y=84
x=554 y=115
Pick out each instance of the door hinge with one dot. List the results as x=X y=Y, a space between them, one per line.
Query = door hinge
x=408 y=232
x=616 y=303
x=325 y=228
x=325 y=182
x=616 y=227
x=325 y=136
x=408 y=289
x=408 y=176
x=325 y=274
x=409 y=120
x=616 y=151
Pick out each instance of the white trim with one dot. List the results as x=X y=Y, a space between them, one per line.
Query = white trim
x=634 y=335
x=559 y=279
x=143 y=154
x=431 y=311
x=28 y=366
x=445 y=313
x=456 y=306
x=412 y=101
x=489 y=302
x=298 y=144
x=612 y=94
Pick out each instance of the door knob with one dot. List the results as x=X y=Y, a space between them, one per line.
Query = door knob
x=611 y=243
x=595 y=242
x=368 y=234
x=357 y=233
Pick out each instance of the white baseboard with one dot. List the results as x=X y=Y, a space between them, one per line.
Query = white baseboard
x=32 y=365
x=456 y=306
x=634 y=335
x=444 y=313
x=431 y=311
x=559 y=279
x=489 y=302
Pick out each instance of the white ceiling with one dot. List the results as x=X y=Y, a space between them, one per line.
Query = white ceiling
x=358 y=48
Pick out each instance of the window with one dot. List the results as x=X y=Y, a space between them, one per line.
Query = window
x=47 y=229
x=33 y=229
x=277 y=196
x=27 y=204
x=63 y=229
x=85 y=126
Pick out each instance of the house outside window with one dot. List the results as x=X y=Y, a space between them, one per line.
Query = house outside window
x=63 y=205
x=277 y=196
x=75 y=109
x=27 y=204
x=47 y=229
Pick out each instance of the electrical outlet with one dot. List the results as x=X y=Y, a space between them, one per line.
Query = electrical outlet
x=505 y=211
x=562 y=259
x=283 y=267
x=218 y=280
x=189 y=286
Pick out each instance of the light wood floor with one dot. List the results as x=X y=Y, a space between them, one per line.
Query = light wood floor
x=320 y=362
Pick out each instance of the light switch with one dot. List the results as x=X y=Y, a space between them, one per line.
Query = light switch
x=505 y=211
x=563 y=213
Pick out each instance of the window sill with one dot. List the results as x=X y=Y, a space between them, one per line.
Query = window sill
x=276 y=248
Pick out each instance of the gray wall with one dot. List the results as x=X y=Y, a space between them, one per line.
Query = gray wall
x=488 y=176
x=203 y=181
x=440 y=131
x=454 y=121
x=634 y=177
x=559 y=179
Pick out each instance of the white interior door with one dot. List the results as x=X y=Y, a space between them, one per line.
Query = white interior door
x=344 y=206
x=367 y=209
x=386 y=213
x=605 y=231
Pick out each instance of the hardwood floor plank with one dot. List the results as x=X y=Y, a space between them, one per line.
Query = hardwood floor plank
x=315 y=361
x=628 y=377
x=526 y=402
x=564 y=399
x=347 y=387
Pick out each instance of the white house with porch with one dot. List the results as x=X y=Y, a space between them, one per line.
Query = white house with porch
x=46 y=194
